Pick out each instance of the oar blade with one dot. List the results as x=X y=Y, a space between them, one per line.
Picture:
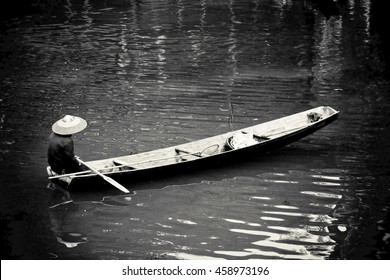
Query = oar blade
x=115 y=183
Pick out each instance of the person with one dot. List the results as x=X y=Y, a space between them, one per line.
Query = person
x=60 y=153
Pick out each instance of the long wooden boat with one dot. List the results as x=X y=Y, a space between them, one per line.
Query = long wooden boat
x=255 y=139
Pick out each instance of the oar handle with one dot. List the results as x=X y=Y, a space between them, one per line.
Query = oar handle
x=69 y=174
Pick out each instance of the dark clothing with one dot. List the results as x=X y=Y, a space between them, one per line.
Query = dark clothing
x=60 y=154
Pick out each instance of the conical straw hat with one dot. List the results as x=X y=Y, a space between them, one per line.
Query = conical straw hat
x=69 y=125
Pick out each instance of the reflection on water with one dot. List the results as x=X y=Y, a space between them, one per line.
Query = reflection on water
x=150 y=74
x=214 y=219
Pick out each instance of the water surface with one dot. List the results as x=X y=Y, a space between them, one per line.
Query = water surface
x=152 y=74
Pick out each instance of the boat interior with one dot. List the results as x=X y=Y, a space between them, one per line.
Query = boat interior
x=215 y=145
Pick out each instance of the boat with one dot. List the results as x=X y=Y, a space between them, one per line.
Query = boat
x=249 y=141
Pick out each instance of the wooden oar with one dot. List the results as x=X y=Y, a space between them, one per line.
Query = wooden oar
x=85 y=172
x=107 y=179
x=69 y=174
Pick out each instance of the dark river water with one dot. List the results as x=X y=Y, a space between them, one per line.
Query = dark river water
x=151 y=74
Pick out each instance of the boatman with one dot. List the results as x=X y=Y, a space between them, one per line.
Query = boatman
x=60 y=153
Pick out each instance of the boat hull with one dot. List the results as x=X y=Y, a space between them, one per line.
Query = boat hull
x=280 y=132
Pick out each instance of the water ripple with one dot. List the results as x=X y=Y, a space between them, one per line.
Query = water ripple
x=153 y=74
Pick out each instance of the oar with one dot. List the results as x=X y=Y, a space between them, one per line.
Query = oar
x=70 y=174
x=107 y=179
x=84 y=172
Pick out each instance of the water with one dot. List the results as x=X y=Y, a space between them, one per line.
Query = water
x=153 y=74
